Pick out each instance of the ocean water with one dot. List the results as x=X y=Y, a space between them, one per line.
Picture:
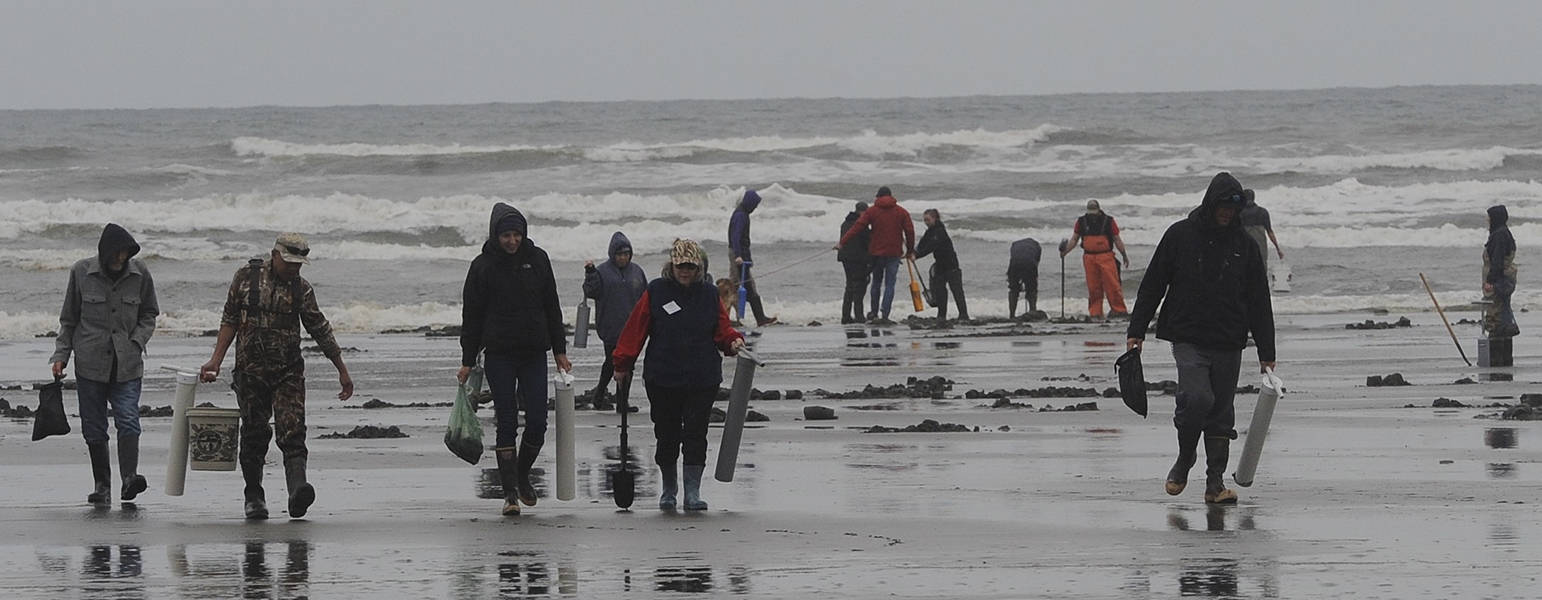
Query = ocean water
x=1367 y=188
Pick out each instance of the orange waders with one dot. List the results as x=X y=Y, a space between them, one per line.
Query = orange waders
x=1102 y=277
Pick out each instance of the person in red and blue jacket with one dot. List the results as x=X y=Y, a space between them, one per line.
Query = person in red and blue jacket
x=685 y=327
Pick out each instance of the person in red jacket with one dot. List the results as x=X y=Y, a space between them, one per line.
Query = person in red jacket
x=1099 y=235
x=893 y=238
x=685 y=327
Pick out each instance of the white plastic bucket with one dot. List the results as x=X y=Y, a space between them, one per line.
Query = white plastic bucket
x=213 y=436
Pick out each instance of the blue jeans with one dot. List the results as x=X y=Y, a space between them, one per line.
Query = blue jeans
x=97 y=397
x=518 y=382
x=885 y=268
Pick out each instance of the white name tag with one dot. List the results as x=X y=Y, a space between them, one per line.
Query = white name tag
x=671 y=308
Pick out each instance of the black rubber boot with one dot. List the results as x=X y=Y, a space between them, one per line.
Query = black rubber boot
x=256 y=500
x=128 y=467
x=1188 y=454
x=669 y=485
x=101 y=474
x=301 y=494
x=1217 y=450
x=1012 y=307
x=527 y=456
x=508 y=477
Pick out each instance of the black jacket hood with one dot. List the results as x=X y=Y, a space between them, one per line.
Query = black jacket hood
x=1223 y=187
x=618 y=244
x=1498 y=217
x=501 y=211
x=114 y=239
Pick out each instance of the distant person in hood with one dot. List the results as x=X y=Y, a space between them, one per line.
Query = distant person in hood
x=1023 y=276
x=1208 y=278
x=1255 y=220
x=893 y=237
x=945 y=273
x=266 y=306
x=615 y=285
x=107 y=320
x=685 y=328
x=1099 y=236
x=740 y=259
x=1499 y=276
x=858 y=265
x=511 y=315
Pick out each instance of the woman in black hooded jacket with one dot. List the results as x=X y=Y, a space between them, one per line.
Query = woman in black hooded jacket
x=512 y=314
x=1499 y=275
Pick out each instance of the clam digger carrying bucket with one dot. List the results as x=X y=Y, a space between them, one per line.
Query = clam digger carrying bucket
x=738 y=409
x=206 y=439
x=1269 y=393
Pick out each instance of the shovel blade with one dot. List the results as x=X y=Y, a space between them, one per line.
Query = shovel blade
x=622 y=487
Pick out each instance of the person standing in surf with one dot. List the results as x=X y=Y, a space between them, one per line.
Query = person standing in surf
x=893 y=237
x=108 y=317
x=511 y=315
x=1098 y=235
x=1208 y=277
x=1255 y=220
x=740 y=260
x=615 y=285
x=685 y=328
x=945 y=273
x=858 y=265
x=1499 y=275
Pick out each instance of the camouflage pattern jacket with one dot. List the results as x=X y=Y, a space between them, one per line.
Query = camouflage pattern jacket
x=268 y=322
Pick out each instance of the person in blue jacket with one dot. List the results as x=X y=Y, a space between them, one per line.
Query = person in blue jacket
x=615 y=285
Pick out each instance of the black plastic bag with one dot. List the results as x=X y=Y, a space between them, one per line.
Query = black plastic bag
x=50 y=418
x=1132 y=381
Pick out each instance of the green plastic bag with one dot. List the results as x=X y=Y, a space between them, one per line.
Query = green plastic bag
x=464 y=435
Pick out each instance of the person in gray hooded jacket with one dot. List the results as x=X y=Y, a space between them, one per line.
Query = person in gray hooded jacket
x=107 y=320
x=615 y=285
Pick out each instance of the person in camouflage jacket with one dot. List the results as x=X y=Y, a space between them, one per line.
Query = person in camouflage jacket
x=267 y=304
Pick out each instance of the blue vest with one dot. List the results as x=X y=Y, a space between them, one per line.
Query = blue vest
x=681 y=352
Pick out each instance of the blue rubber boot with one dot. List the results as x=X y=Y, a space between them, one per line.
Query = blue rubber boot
x=693 y=499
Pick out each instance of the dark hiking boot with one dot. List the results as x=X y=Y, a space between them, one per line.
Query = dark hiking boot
x=101 y=474
x=1188 y=454
x=766 y=321
x=668 y=486
x=508 y=467
x=128 y=467
x=693 y=499
x=256 y=504
x=527 y=456
x=301 y=493
x=1217 y=450
x=602 y=401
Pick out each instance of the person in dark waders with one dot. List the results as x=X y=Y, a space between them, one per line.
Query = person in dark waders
x=945 y=273
x=1212 y=278
x=858 y=265
x=106 y=322
x=685 y=328
x=1023 y=278
x=267 y=303
x=510 y=313
x=1499 y=276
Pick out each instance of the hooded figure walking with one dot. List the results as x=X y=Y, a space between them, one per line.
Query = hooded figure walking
x=1212 y=278
x=106 y=322
x=511 y=314
x=685 y=328
x=615 y=285
x=266 y=305
x=1499 y=276
x=858 y=265
x=740 y=260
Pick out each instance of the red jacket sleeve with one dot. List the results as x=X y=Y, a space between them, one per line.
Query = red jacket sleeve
x=860 y=224
x=629 y=345
x=725 y=335
x=910 y=235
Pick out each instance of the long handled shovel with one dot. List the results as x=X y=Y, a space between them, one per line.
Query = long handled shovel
x=1444 y=320
x=1063 y=244
x=915 y=288
x=744 y=294
x=622 y=484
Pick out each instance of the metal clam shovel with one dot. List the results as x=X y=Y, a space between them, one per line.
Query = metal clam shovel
x=622 y=481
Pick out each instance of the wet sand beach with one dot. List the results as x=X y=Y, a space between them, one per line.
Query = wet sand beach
x=1356 y=496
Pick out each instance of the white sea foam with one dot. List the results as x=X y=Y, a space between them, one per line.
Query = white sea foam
x=256 y=146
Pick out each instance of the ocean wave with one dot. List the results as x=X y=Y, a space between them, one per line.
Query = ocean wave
x=39 y=155
x=256 y=146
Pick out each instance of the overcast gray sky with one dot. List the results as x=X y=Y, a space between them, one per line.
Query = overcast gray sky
x=168 y=53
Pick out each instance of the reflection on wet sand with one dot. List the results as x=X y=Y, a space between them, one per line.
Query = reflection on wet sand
x=1215 y=518
x=1213 y=578
x=100 y=580
x=221 y=576
x=1500 y=438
